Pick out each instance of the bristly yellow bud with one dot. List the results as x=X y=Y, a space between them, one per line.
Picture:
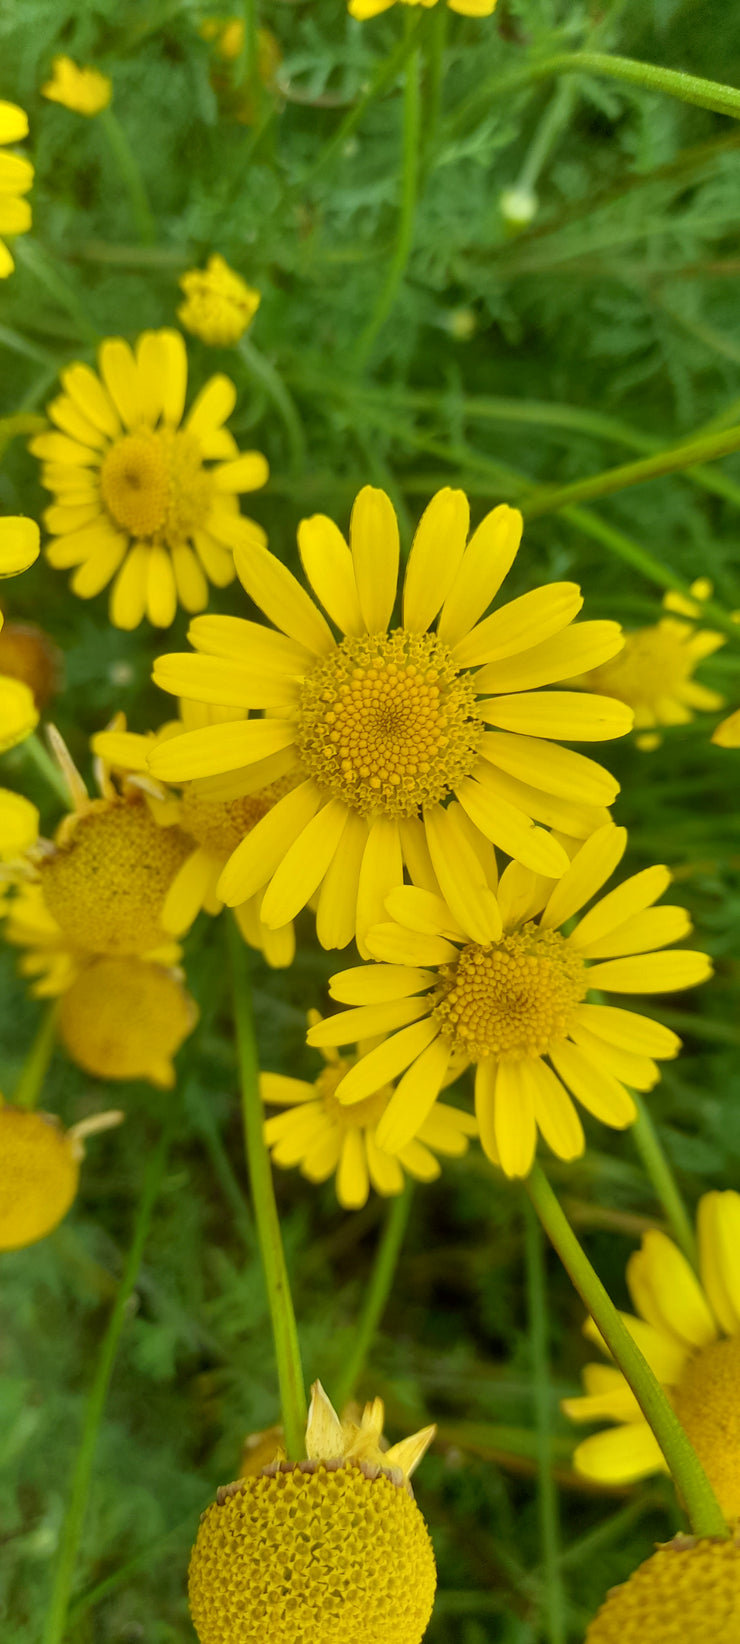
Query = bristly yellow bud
x=219 y=306
x=83 y=90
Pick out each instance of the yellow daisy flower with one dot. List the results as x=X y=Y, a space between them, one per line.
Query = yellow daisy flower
x=84 y=90
x=16 y=177
x=689 y=1332
x=382 y=727
x=323 y=1136
x=517 y=1005
x=126 y=1019
x=727 y=734
x=468 y=8
x=688 y=1590
x=654 y=672
x=215 y=827
x=39 y=1171
x=219 y=306
x=134 y=499
x=369 y=1569
x=19 y=547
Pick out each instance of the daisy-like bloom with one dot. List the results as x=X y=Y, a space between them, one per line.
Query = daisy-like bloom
x=219 y=304
x=689 y=1331
x=126 y=1019
x=134 y=497
x=309 y=1552
x=727 y=734
x=517 y=1005
x=654 y=673
x=215 y=827
x=39 y=1171
x=468 y=8
x=324 y=1136
x=19 y=547
x=84 y=90
x=381 y=728
x=688 y=1590
x=16 y=177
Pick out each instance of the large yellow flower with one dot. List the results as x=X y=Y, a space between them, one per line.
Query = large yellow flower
x=382 y=727
x=517 y=1005
x=324 y=1136
x=16 y=177
x=19 y=547
x=469 y=8
x=689 y=1332
x=134 y=497
x=327 y=1549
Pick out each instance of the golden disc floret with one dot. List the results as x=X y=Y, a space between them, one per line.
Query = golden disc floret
x=125 y=1018
x=513 y=999
x=154 y=484
x=106 y=885
x=688 y=1591
x=313 y=1553
x=388 y=722
x=39 y=1174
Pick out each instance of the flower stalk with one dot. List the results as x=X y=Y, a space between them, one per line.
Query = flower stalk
x=378 y=1291
x=409 y=189
x=36 y=1065
x=658 y=1169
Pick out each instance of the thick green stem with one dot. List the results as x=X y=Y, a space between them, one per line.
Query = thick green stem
x=130 y=175
x=688 y=88
x=56 y=1619
x=376 y=1296
x=677 y=457
x=384 y=76
x=656 y=1165
x=265 y=374
x=410 y=175
x=642 y=560
x=285 y=1333
x=554 y=1595
x=688 y=1474
x=35 y=1067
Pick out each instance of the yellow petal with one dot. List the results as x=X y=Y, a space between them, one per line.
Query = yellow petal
x=186 y=894
x=328 y=565
x=250 y=644
x=423 y=911
x=621 y=1455
x=192 y=587
x=655 y=928
x=571 y=715
x=414 y=1097
x=675 y=1298
x=385 y=1170
x=247 y=472
x=213 y=405
x=336 y=912
x=256 y=858
x=161 y=594
x=532 y=617
x=19 y=824
x=304 y=865
x=381 y=870
x=652 y=972
x=352 y=1175
x=435 y=558
x=629 y=1031
x=489 y=555
x=461 y=876
x=19 y=544
x=562 y=815
x=128 y=598
x=373 y=536
x=718 y=1225
x=598 y=1091
x=278 y=1090
x=85 y=388
x=275 y=590
x=509 y=828
x=120 y=374
x=350 y=1025
x=18 y=712
x=583 y=646
x=514 y=1121
x=97 y=571
x=560 y=771
x=371 y=984
x=639 y=1072
x=227 y=683
x=217 y=748
x=554 y=1113
x=592 y=865
x=389 y=1059
x=627 y=899
x=485 y=1107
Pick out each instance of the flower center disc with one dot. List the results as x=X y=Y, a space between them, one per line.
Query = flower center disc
x=154 y=485
x=515 y=999
x=388 y=723
x=349 y=1115
x=707 y=1402
x=106 y=886
x=220 y=825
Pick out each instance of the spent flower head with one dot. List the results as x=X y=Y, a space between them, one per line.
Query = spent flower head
x=517 y=1004
x=383 y=726
x=219 y=305
x=688 y=1329
x=83 y=90
x=689 y=1590
x=333 y=1547
x=143 y=496
x=16 y=178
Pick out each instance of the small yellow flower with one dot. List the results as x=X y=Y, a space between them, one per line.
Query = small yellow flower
x=19 y=547
x=688 y=1590
x=84 y=90
x=517 y=1005
x=330 y=1548
x=727 y=734
x=134 y=499
x=382 y=728
x=219 y=304
x=468 y=8
x=16 y=177
x=126 y=1019
x=39 y=1171
x=689 y=1332
x=324 y=1136
x=654 y=672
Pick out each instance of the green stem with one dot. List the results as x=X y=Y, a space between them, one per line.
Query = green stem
x=658 y=1169
x=554 y=1594
x=548 y=500
x=36 y=1065
x=688 y=1474
x=285 y=1334
x=438 y=27
x=34 y=748
x=554 y=119
x=130 y=175
x=377 y=1293
x=265 y=374
x=56 y=1619
x=32 y=257
x=248 y=65
x=384 y=76
x=410 y=173
x=641 y=560
x=688 y=88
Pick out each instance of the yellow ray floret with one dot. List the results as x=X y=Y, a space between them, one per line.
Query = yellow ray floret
x=141 y=495
x=84 y=90
x=688 y=1590
x=219 y=304
x=39 y=1171
x=385 y=725
x=689 y=1331
x=16 y=178
x=370 y=1574
x=325 y=1137
x=517 y=1005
